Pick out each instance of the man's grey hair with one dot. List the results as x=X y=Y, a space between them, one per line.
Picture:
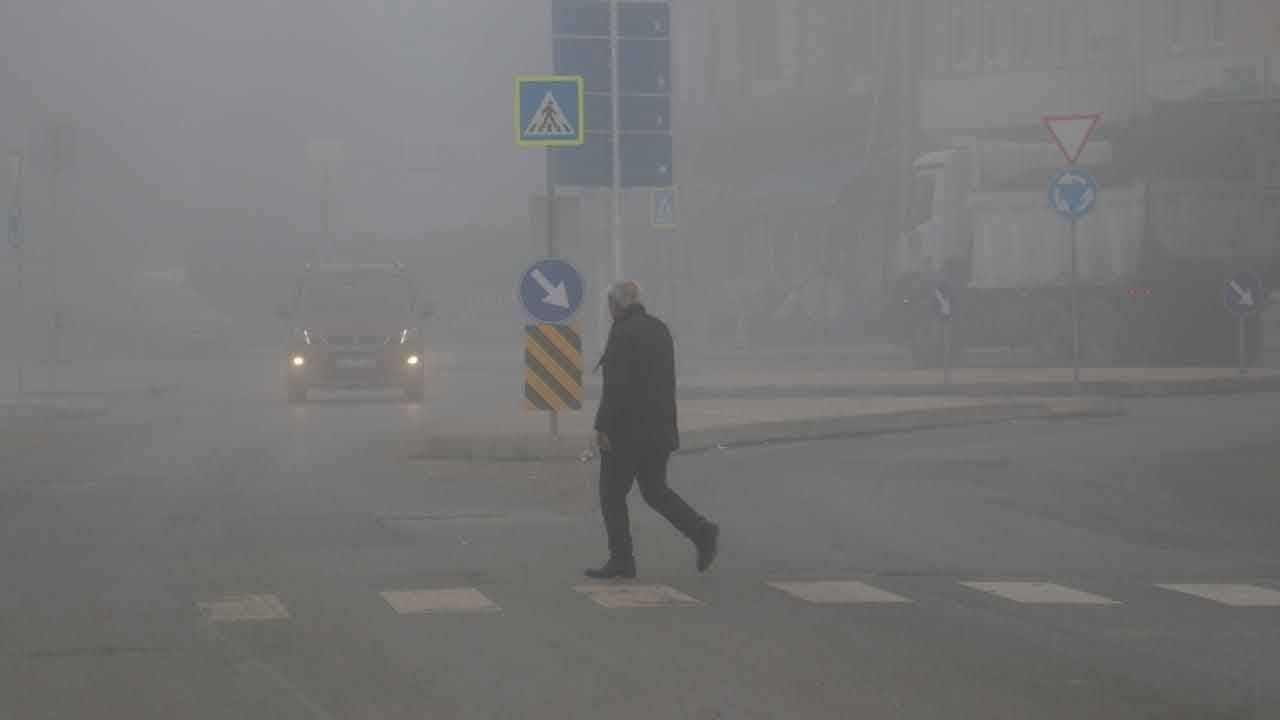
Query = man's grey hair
x=624 y=294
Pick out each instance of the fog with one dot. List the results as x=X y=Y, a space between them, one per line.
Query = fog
x=938 y=339
x=225 y=146
x=195 y=127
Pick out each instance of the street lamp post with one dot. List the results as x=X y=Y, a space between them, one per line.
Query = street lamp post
x=16 y=166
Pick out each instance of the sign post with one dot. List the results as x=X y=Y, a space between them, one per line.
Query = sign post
x=943 y=302
x=1073 y=194
x=16 y=166
x=549 y=114
x=1243 y=296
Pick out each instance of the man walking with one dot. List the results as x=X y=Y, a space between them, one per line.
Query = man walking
x=636 y=430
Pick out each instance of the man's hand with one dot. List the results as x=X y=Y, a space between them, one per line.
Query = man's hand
x=602 y=442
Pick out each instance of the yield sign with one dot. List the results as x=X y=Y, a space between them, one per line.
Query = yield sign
x=1072 y=133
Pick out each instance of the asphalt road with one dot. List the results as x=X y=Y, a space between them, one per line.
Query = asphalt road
x=214 y=553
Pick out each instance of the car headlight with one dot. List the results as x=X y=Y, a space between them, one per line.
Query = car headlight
x=299 y=361
x=413 y=360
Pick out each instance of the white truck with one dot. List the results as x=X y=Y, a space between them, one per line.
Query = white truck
x=1153 y=257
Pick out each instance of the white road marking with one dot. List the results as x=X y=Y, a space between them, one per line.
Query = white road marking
x=1234 y=595
x=1040 y=593
x=839 y=592
x=636 y=596
x=419 y=602
x=245 y=608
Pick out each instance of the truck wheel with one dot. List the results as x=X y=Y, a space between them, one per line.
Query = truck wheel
x=926 y=344
x=1052 y=339
x=1101 y=333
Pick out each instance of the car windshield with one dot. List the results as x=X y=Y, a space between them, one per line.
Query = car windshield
x=356 y=292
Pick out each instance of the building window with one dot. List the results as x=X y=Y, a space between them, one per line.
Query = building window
x=964 y=36
x=1215 y=23
x=1175 y=26
x=999 y=27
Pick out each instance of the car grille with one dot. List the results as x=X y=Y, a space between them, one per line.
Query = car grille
x=356 y=340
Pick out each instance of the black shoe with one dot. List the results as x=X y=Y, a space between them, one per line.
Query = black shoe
x=614 y=570
x=708 y=546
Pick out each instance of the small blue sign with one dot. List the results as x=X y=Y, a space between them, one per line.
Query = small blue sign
x=552 y=291
x=1244 y=293
x=1073 y=193
x=664 y=208
x=549 y=111
x=943 y=301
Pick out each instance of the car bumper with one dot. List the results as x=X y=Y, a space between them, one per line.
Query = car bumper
x=355 y=369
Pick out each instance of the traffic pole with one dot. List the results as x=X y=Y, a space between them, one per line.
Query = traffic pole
x=18 y=162
x=554 y=419
x=1075 y=312
x=1241 y=350
x=615 y=99
x=946 y=352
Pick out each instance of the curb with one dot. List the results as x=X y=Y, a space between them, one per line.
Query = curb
x=528 y=448
x=1096 y=389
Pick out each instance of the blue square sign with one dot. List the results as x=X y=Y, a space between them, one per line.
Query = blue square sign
x=549 y=111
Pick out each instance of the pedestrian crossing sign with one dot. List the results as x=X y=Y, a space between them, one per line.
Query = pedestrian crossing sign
x=549 y=111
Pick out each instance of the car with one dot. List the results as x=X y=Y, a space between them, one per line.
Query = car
x=356 y=327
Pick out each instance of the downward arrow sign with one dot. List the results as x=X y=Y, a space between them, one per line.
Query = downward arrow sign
x=1246 y=295
x=557 y=295
x=944 y=303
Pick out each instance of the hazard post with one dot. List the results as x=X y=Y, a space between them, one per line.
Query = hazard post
x=549 y=113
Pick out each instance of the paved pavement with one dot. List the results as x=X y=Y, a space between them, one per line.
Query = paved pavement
x=216 y=553
x=1123 y=382
x=715 y=422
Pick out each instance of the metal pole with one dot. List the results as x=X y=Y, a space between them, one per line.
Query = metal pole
x=615 y=98
x=16 y=240
x=1075 y=314
x=946 y=352
x=329 y=237
x=554 y=418
x=56 y=322
x=1241 y=350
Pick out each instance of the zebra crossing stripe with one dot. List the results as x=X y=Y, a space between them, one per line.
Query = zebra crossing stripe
x=839 y=592
x=1039 y=593
x=1231 y=595
x=447 y=600
x=244 y=608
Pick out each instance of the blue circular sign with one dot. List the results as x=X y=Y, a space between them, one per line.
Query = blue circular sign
x=1244 y=293
x=552 y=291
x=1073 y=193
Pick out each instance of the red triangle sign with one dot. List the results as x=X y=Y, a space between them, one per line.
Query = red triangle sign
x=1072 y=133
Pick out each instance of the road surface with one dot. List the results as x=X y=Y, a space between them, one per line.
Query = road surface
x=214 y=553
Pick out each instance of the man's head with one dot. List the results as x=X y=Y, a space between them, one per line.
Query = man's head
x=623 y=296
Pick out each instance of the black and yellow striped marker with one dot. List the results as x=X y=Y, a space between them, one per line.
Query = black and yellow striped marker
x=553 y=368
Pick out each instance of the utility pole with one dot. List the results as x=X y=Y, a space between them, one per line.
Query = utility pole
x=59 y=148
x=909 y=25
x=616 y=100
x=17 y=162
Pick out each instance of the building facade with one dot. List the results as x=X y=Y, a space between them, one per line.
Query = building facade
x=799 y=122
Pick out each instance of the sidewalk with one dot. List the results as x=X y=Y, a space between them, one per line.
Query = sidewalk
x=714 y=422
x=978 y=382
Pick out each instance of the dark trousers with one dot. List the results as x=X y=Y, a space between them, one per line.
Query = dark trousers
x=618 y=470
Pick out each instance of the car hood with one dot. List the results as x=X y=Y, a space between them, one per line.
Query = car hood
x=363 y=326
